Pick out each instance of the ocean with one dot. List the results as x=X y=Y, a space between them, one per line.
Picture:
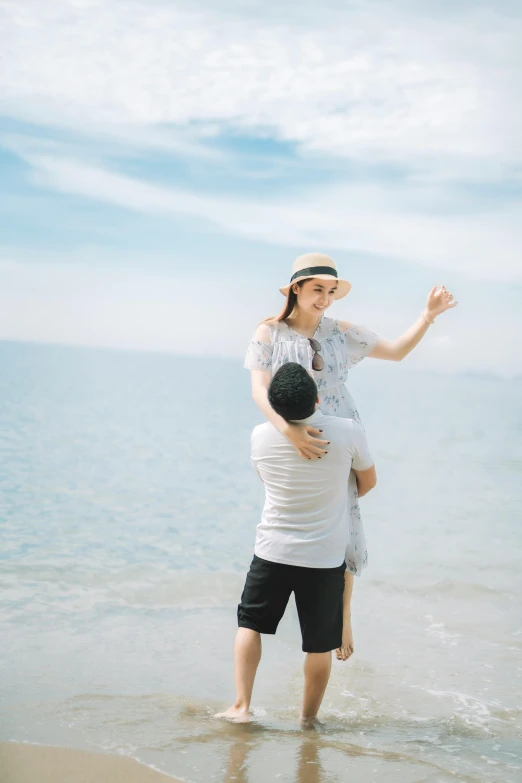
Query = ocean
x=128 y=509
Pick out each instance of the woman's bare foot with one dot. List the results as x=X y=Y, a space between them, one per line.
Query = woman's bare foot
x=235 y=714
x=346 y=649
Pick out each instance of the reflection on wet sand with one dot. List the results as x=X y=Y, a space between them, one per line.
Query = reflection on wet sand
x=237 y=756
x=308 y=769
x=299 y=754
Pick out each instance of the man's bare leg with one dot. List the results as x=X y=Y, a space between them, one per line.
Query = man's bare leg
x=317 y=669
x=346 y=649
x=247 y=654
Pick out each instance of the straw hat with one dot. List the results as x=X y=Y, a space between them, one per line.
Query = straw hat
x=316 y=265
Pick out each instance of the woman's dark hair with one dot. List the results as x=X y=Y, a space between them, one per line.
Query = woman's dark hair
x=291 y=301
x=292 y=392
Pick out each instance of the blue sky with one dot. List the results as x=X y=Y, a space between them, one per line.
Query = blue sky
x=163 y=163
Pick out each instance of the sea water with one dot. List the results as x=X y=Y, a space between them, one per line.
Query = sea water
x=128 y=513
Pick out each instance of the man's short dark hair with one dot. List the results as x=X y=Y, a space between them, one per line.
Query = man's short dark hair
x=292 y=392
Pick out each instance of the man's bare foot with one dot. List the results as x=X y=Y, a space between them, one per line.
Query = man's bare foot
x=308 y=723
x=235 y=714
x=346 y=649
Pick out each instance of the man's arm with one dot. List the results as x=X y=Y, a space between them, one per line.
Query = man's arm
x=254 y=452
x=362 y=462
x=257 y=470
x=366 y=480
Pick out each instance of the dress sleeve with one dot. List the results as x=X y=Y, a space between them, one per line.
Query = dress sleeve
x=259 y=356
x=359 y=341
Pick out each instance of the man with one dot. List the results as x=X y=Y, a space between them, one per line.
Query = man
x=301 y=540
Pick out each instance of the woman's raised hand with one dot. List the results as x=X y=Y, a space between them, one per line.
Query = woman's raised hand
x=439 y=300
x=306 y=440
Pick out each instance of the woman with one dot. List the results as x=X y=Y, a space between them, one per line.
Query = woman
x=328 y=349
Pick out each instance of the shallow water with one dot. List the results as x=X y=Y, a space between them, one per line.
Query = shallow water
x=128 y=511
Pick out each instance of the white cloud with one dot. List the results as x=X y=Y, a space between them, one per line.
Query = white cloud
x=381 y=219
x=370 y=81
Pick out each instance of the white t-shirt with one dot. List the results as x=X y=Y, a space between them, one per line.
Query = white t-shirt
x=305 y=520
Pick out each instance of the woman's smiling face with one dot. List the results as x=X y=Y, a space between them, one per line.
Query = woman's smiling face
x=315 y=295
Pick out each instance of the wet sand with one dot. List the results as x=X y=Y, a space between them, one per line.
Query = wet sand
x=21 y=763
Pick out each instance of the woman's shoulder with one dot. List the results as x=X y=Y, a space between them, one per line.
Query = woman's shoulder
x=348 y=329
x=344 y=326
x=332 y=327
x=273 y=331
x=263 y=333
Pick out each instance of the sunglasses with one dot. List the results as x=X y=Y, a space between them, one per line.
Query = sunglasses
x=317 y=361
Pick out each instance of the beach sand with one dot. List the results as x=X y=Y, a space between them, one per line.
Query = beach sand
x=21 y=763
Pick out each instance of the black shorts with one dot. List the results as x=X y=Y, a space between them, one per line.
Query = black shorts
x=318 y=598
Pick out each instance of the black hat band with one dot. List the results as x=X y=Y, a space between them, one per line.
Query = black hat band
x=312 y=271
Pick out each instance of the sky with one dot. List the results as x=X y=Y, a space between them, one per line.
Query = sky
x=163 y=163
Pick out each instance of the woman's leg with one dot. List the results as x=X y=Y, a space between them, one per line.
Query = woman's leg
x=346 y=649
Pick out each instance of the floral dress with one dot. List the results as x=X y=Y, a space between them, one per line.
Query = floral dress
x=340 y=352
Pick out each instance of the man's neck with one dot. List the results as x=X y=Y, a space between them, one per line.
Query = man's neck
x=303 y=421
